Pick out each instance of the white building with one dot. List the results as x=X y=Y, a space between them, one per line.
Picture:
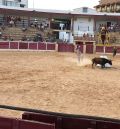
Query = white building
x=14 y=3
x=83 y=24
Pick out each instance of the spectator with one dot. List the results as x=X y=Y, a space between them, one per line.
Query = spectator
x=24 y=38
x=103 y=34
x=24 y=29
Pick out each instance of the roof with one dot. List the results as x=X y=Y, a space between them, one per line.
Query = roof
x=93 y=12
x=77 y=11
x=109 y=1
x=33 y=9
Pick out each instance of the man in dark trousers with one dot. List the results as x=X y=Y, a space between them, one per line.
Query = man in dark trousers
x=114 y=51
x=103 y=35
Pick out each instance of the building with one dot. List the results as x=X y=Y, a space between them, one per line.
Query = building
x=14 y=3
x=64 y=25
x=108 y=6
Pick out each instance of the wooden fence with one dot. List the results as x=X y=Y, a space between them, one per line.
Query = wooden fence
x=87 y=47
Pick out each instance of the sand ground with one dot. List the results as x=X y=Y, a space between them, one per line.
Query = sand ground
x=56 y=82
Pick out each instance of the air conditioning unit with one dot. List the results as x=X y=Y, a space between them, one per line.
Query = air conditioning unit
x=22 y=5
x=19 y=0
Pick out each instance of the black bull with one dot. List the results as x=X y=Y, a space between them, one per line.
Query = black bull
x=101 y=61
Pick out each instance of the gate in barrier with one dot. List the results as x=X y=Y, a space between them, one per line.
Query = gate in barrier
x=65 y=47
x=89 y=48
x=38 y=119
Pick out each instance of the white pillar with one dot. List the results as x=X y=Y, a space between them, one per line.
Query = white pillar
x=84 y=47
x=37 y=45
x=104 y=49
x=56 y=47
x=94 y=47
x=9 y=44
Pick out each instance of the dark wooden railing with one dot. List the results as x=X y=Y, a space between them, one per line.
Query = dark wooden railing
x=53 y=120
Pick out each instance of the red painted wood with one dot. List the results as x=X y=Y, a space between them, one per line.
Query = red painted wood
x=33 y=46
x=89 y=48
x=41 y=46
x=46 y=118
x=81 y=47
x=99 y=48
x=34 y=125
x=77 y=123
x=118 y=49
x=63 y=47
x=71 y=122
x=6 y=123
x=4 y=45
x=109 y=49
x=13 y=45
x=23 y=45
x=12 y=123
x=50 y=46
x=107 y=125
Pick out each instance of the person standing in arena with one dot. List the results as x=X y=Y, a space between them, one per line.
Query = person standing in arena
x=78 y=49
x=114 y=51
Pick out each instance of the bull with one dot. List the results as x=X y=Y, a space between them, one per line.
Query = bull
x=101 y=61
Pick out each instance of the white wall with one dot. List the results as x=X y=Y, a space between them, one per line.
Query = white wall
x=25 y=2
x=81 y=10
x=16 y=3
x=0 y=2
x=71 y=38
x=83 y=25
x=64 y=36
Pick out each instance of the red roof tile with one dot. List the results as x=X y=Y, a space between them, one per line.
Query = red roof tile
x=108 y=1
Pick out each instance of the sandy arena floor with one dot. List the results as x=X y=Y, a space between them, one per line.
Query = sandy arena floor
x=56 y=82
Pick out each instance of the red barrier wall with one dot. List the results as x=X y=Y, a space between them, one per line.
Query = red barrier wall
x=39 y=117
x=4 y=45
x=89 y=48
x=12 y=123
x=81 y=123
x=73 y=122
x=109 y=49
x=64 y=47
x=107 y=125
x=41 y=46
x=118 y=49
x=34 y=125
x=50 y=46
x=13 y=45
x=99 y=48
x=6 y=123
x=23 y=45
x=33 y=46
x=81 y=47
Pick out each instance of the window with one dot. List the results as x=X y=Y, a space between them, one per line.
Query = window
x=8 y=2
x=85 y=9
